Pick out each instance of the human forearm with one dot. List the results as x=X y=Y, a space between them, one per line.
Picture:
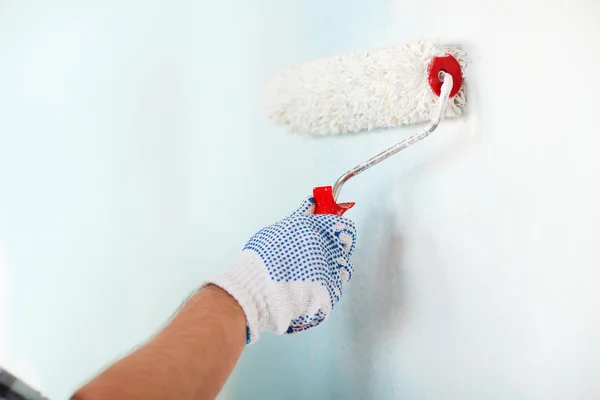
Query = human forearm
x=287 y=280
x=190 y=359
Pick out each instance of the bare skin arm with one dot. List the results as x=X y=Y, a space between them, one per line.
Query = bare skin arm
x=188 y=360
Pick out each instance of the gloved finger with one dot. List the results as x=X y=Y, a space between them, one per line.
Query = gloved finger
x=305 y=322
x=346 y=269
x=331 y=226
x=347 y=241
x=345 y=233
x=306 y=208
x=345 y=274
x=333 y=283
x=338 y=232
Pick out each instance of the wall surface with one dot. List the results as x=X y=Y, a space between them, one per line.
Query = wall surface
x=135 y=161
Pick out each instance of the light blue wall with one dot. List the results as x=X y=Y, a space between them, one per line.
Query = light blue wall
x=135 y=161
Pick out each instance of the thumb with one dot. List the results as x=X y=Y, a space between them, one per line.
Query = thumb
x=307 y=207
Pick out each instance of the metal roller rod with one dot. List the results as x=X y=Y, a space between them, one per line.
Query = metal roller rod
x=431 y=126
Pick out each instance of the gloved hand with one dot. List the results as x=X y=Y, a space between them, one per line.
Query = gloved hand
x=289 y=276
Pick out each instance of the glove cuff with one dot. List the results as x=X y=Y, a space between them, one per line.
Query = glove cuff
x=246 y=281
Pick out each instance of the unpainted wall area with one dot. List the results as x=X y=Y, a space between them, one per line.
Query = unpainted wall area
x=136 y=161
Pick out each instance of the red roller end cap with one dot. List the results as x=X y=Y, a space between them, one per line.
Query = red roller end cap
x=449 y=65
x=325 y=203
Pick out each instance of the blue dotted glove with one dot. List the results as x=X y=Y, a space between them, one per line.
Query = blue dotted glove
x=290 y=274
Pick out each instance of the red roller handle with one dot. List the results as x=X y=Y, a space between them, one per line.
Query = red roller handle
x=325 y=203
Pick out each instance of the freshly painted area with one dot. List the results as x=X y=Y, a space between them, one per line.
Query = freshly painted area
x=136 y=160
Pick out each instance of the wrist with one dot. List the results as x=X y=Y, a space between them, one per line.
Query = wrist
x=224 y=303
x=249 y=283
x=211 y=305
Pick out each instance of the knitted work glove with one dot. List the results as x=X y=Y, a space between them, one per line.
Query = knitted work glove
x=289 y=276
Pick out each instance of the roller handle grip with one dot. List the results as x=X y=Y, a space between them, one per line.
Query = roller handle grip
x=325 y=203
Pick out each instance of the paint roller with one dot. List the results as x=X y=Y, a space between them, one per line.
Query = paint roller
x=363 y=91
